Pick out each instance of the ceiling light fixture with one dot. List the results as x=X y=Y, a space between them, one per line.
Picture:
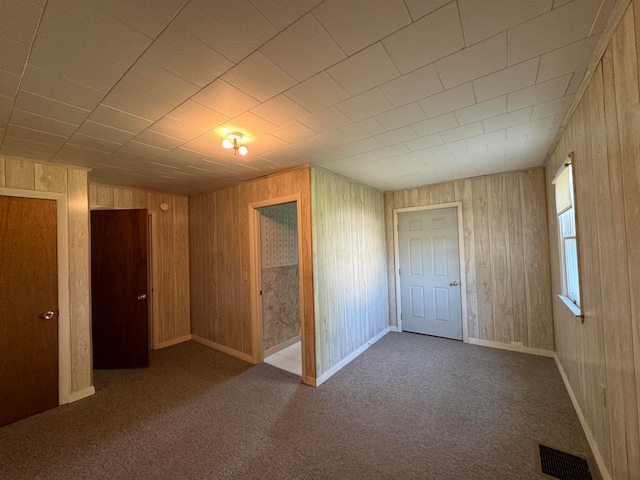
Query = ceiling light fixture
x=232 y=142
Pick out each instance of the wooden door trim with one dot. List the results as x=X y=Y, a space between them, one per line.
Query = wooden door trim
x=255 y=270
x=463 y=280
x=64 y=328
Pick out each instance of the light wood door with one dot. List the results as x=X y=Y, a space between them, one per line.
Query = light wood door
x=28 y=308
x=429 y=272
x=119 y=288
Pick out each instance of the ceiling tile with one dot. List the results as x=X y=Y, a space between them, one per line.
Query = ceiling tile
x=9 y=84
x=567 y=59
x=487 y=138
x=294 y=132
x=16 y=146
x=13 y=56
x=268 y=143
x=552 y=107
x=399 y=135
x=448 y=101
x=159 y=140
x=46 y=107
x=236 y=35
x=303 y=49
x=327 y=140
x=46 y=84
x=539 y=93
x=326 y=120
x=354 y=148
x=557 y=28
x=146 y=16
x=413 y=86
x=280 y=110
x=250 y=125
x=457 y=146
x=438 y=34
x=176 y=129
x=531 y=127
x=507 y=120
x=19 y=20
x=196 y=114
x=359 y=23
x=461 y=133
x=93 y=143
x=184 y=55
x=576 y=81
x=364 y=70
x=283 y=13
x=435 y=125
x=95 y=49
x=364 y=129
x=257 y=76
x=77 y=155
x=317 y=93
x=401 y=117
x=474 y=62
x=137 y=104
x=510 y=144
x=481 y=111
x=507 y=80
x=143 y=149
x=118 y=119
x=225 y=99
x=104 y=132
x=481 y=20
x=36 y=122
x=420 y=8
x=365 y=105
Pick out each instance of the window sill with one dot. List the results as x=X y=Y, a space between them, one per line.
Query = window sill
x=572 y=306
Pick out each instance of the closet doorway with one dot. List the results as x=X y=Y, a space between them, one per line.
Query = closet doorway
x=277 y=277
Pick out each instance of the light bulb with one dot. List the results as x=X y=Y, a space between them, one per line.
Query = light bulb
x=242 y=150
x=226 y=143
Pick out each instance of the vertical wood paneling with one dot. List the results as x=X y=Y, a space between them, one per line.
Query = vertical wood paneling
x=2 y=175
x=350 y=271
x=20 y=174
x=601 y=357
x=219 y=237
x=170 y=255
x=506 y=255
x=49 y=178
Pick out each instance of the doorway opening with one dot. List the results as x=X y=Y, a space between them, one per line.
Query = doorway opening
x=430 y=276
x=276 y=272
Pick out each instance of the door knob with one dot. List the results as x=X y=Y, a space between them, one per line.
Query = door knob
x=142 y=297
x=48 y=315
x=454 y=283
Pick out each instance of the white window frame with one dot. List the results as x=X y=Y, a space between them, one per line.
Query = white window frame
x=565 y=202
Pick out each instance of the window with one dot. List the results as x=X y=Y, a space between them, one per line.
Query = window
x=565 y=208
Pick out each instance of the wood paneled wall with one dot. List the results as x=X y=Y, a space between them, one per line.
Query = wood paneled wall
x=170 y=262
x=220 y=262
x=17 y=173
x=349 y=268
x=506 y=253
x=601 y=357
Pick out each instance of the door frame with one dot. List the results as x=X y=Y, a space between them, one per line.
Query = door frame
x=257 y=346
x=461 y=256
x=62 y=240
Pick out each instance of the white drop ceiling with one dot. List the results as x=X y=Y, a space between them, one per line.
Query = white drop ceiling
x=391 y=93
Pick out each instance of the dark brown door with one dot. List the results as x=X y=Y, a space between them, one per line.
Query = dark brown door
x=119 y=288
x=28 y=308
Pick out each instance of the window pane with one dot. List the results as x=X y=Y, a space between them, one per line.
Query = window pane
x=571 y=262
x=567 y=224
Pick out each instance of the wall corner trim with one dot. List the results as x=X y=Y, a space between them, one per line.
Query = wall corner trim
x=229 y=351
x=393 y=329
x=513 y=348
x=173 y=341
x=590 y=438
x=84 y=393
x=347 y=360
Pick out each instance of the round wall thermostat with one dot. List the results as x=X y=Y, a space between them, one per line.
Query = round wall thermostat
x=164 y=207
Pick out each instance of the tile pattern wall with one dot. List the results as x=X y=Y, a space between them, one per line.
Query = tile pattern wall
x=280 y=305
x=279 y=235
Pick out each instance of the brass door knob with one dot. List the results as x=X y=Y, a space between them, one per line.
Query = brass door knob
x=48 y=315
x=454 y=283
x=142 y=297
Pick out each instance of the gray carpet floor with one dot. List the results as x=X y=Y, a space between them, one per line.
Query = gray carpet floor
x=411 y=406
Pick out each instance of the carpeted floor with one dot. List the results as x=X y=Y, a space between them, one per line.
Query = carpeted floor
x=411 y=406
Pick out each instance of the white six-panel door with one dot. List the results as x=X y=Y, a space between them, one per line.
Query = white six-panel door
x=429 y=272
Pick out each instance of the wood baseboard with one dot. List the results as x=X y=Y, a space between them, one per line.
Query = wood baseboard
x=173 y=341
x=394 y=329
x=87 y=392
x=512 y=347
x=590 y=438
x=281 y=346
x=345 y=361
x=229 y=351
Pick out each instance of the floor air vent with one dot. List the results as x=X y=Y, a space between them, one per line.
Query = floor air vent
x=562 y=465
